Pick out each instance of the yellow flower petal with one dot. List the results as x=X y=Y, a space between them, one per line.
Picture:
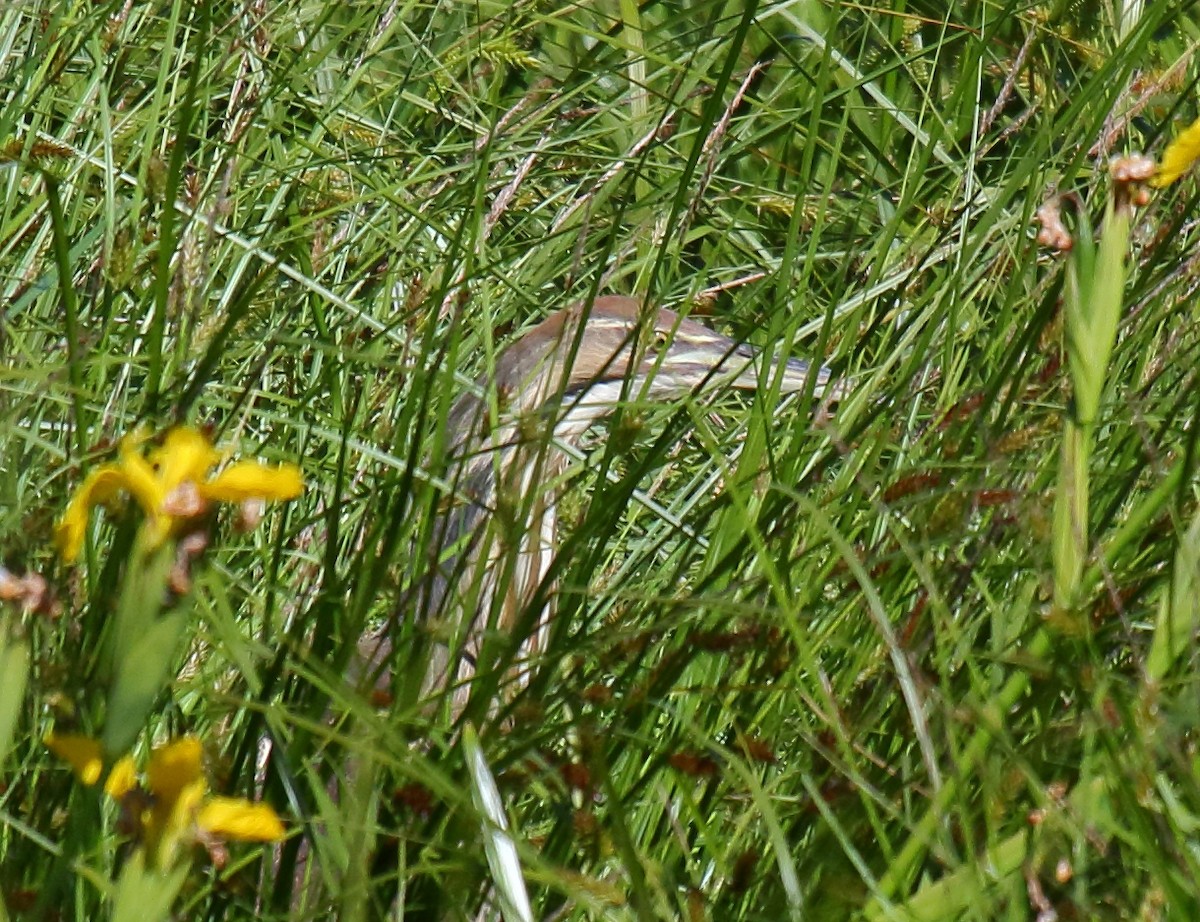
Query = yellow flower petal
x=173 y=767
x=122 y=778
x=101 y=485
x=140 y=478
x=251 y=480
x=98 y=487
x=184 y=809
x=185 y=455
x=1179 y=156
x=170 y=484
x=171 y=822
x=234 y=818
x=175 y=778
x=82 y=753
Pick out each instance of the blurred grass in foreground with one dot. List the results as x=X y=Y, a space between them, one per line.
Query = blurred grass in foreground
x=934 y=659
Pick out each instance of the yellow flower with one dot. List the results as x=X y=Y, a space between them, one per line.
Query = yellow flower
x=122 y=778
x=82 y=753
x=233 y=818
x=1179 y=156
x=171 y=484
x=175 y=808
x=175 y=776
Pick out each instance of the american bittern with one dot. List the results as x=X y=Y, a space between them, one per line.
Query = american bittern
x=495 y=539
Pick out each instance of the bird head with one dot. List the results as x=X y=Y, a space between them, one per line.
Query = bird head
x=591 y=351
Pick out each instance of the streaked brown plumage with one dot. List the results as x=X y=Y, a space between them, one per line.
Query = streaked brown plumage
x=497 y=532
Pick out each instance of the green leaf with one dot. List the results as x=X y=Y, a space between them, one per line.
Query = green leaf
x=142 y=595
x=956 y=894
x=1070 y=541
x=139 y=680
x=1179 y=607
x=14 y=672
x=1095 y=295
x=146 y=895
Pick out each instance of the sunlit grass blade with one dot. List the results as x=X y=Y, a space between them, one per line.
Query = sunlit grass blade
x=498 y=843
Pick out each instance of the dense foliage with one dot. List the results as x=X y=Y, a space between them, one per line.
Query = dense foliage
x=929 y=658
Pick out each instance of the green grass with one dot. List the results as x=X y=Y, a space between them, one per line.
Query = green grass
x=933 y=659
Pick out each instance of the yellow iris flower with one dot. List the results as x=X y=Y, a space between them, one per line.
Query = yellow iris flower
x=179 y=810
x=171 y=484
x=82 y=753
x=1179 y=156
